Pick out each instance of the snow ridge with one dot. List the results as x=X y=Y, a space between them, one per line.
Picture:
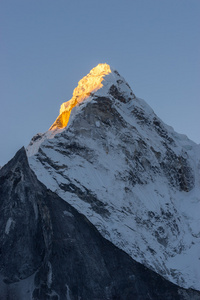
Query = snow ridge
x=131 y=175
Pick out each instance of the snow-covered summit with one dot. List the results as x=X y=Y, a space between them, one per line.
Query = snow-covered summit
x=134 y=177
x=99 y=81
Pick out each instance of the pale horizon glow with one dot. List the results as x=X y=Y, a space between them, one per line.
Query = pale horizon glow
x=47 y=47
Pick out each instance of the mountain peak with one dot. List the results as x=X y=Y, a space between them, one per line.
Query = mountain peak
x=87 y=85
x=134 y=178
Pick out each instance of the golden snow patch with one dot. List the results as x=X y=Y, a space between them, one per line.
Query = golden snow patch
x=87 y=85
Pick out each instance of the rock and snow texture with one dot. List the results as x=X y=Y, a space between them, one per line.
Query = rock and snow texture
x=131 y=175
x=55 y=253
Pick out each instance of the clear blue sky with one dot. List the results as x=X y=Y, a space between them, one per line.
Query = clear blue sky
x=47 y=46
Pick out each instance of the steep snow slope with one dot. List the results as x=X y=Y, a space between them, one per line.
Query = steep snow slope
x=136 y=179
x=50 y=251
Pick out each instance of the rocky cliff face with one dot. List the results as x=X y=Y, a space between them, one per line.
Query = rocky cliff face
x=134 y=178
x=50 y=251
